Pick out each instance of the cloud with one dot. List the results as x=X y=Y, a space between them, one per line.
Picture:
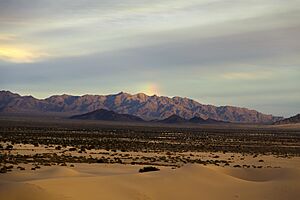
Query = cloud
x=74 y=28
x=215 y=51
x=7 y=37
x=19 y=54
x=246 y=75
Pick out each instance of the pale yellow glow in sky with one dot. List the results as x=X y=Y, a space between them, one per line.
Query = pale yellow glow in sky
x=150 y=89
x=18 y=54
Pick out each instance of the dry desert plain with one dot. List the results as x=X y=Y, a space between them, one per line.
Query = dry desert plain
x=92 y=160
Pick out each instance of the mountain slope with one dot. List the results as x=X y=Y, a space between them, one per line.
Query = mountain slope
x=141 y=105
x=106 y=115
x=173 y=119
x=291 y=120
x=199 y=120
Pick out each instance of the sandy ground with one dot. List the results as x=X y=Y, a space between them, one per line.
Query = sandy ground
x=269 y=161
x=278 y=178
x=114 y=181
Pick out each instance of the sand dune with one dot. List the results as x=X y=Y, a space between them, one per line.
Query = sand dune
x=188 y=182
x=262 y=175
x=24 y=191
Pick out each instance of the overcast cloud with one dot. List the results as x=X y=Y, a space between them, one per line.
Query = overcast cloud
x=243 y=53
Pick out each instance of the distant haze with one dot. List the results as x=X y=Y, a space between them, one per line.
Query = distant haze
x=239 y=52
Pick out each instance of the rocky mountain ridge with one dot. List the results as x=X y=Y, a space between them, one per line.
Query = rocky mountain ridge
x=141 y=105
x=291 y=120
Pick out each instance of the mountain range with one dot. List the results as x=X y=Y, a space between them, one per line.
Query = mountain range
x=108 y=115
x=291 y=120
x=175 y=119
x=140 y=105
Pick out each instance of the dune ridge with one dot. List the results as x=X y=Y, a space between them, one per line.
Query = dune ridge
x=188 y=182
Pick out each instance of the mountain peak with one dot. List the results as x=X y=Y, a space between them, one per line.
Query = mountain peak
x=291 y=120
x=197 y=119
x=122 y=93
x=107 y=115
x=8 y=93
x=141 y=94
x=173 y=119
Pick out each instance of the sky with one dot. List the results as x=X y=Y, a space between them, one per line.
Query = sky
x=222 y=52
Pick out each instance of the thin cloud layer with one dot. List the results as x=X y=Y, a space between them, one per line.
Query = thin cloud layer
x=218 y=52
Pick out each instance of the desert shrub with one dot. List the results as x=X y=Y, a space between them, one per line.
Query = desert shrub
x=9 y=147
x=3 y=169
x=72 y=149
x=20 y=168
x=10 y=167
x=101 y=160
x=148 y=169
x=82 y=149
x=58 y=148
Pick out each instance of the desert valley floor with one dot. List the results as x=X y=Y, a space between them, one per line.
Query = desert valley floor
x=70 y=159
